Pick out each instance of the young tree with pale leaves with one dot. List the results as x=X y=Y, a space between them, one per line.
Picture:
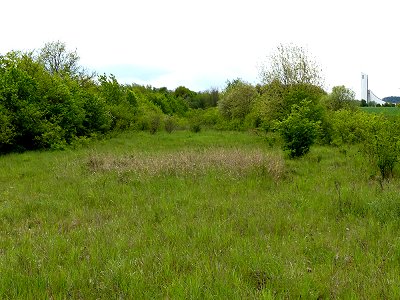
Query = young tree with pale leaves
x=291 y=64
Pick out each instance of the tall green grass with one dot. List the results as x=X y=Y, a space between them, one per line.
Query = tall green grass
x=213 y=215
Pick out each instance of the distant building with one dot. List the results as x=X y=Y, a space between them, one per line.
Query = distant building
x=364 y=87
x=366 y=93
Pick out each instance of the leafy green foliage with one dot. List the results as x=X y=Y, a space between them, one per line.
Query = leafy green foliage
x=40 y=109
x=206 y=99
x=237 y=100
x=48 y=101
x=291 y=64
x=299 y=130
x=340 y=98
x=379 y=134
x=195 y=123
x=276 y=100
x=169 y=124
x=56 y=59
x=384 y=150
x=195 y=100
x=383 y=147
x=155 y=123
x=7 y=131
x=352 y=127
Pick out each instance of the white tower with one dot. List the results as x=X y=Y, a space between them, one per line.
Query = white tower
x=364 y=87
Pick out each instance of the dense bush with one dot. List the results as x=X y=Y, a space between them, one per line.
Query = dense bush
x=378 y=135
x=299 y=130
x=195 y=122
x=46 y=103
x=276 y=101
x=341 y=98
x=237 y=100
x=195 y=100
x=155 y=123
x=43 y=109
x=352 y=127
x=383 y=146
x=7 y=130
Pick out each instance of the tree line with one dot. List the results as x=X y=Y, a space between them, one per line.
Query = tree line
x=49 y=101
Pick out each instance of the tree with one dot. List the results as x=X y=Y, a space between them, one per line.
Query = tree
x=213 y=97
x=184 y=93
x=237 y=100
x=291 y=64
x=340 y=98
x=110 y=89
x=58 y=60
x=187 y=97
x=276 y=99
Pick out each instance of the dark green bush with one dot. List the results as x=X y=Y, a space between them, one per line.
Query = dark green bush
x=7 y=131
x=298 y=131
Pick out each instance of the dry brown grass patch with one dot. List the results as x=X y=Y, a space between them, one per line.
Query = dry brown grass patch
x=229 y=161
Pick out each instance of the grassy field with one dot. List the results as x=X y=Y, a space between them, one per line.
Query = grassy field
x=388 y=111
x=198 y=216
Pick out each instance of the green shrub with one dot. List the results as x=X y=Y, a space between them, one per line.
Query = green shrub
x=7 y=131
x=211 y=116
x=154 y=124
x=52 y=136
x=237 y=100
x=383 y=148
x=122 y=115
x=97 y=117
x=195 y=127
x=351 y=127
x=298 y=131
x=340 y=98
x=277 y=99
x=169 y=124
x=195 y=124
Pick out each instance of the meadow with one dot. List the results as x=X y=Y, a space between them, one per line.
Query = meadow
x=387 y=111
x=197 y=216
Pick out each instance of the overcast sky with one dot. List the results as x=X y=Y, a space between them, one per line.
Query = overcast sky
x=201 y=44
